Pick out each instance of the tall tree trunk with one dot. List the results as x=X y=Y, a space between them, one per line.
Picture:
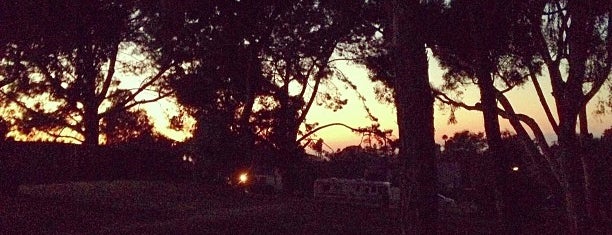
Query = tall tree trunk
x=286 y=135
x=91 y=118
x=497 y=187
x=414 y=103
x=501 y=162
x=570 y=100
x=86 y=74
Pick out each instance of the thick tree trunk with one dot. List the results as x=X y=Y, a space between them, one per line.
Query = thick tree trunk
x=414 y=102
x=91 y=122
x=497 y=186
x=286 y=134
x=571 y=165
x=86 y=74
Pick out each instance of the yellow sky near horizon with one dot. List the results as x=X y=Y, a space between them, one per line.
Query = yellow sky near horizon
x=524 y=99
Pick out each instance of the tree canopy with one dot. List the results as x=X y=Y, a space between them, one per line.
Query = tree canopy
x=67 y=61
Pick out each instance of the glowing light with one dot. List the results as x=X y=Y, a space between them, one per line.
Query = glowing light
x=515 y=168
x=243 y=178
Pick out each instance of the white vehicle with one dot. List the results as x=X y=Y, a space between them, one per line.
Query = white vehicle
x=266 y=183
x=350 y=191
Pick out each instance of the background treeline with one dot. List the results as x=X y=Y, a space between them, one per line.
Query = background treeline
x=44 y=162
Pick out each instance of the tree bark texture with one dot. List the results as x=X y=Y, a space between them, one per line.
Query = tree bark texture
x=414 y=103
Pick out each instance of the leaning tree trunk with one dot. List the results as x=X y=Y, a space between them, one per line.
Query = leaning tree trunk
x=414 y=103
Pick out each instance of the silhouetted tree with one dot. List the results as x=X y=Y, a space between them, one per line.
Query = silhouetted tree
x=472 y=47
x=250 y=53
x=299 y=55
x=580 y=50
x=222 y=43
x=68 y=59
x=398 y=59
x=589 y=61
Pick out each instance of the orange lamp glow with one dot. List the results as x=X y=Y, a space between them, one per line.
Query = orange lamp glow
x=243 y=178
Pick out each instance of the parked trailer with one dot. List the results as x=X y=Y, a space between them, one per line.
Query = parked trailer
x=351 y=191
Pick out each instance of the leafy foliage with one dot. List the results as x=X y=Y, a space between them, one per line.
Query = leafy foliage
x=126 y=127
x=65 y=59
x=253 y=69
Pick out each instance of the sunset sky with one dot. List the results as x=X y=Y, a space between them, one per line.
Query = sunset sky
x=524 y=100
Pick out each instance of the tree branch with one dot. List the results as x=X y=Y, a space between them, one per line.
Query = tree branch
x=515 y=120
x=56 y=84
x=326 y=126
x=315 y=90
x=56 y=136
x=109 y=74
x=509 y=113
x=561 y=42
x=553 y=66
x=447 y=100
x=128 y=106
x=145 y=86
x=38 y=113
x=543 y=102
x=598 y=83
x=549 y=164
x=303 y=91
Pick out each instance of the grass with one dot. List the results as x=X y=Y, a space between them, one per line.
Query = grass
x=140 y=207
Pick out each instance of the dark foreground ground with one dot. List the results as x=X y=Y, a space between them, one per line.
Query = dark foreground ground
x=132 y=207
